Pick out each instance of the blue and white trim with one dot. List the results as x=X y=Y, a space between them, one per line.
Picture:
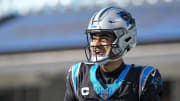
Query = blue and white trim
x=75 y=73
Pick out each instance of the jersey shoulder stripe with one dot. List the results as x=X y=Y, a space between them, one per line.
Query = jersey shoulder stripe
x=146 y=71
x=75 y=73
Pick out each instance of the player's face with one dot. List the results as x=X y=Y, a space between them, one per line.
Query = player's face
x=101 y=44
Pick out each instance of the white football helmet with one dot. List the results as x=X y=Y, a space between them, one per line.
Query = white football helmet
x=116 y=21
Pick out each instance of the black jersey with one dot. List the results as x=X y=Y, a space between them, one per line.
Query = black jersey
x=87 y=82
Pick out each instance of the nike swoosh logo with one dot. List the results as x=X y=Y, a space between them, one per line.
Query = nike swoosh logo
x=153 y=73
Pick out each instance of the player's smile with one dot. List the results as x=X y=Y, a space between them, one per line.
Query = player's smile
x=100 y=52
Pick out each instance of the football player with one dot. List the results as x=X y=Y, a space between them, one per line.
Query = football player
x=106 y=77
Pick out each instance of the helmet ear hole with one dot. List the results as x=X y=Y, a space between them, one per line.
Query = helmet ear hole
x=127 y=39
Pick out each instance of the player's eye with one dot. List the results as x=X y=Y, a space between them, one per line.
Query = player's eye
x=94 y=39
x=104 y=40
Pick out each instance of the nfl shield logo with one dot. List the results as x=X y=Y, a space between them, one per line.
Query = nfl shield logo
x=105 y=95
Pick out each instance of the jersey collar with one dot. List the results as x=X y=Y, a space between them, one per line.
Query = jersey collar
x=106 y=93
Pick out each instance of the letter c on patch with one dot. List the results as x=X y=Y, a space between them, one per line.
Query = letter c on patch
x=85 y=91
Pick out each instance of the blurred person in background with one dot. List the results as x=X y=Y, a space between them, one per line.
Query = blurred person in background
x=105 y=77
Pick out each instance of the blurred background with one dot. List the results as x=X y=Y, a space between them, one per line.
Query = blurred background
x=41 y=39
